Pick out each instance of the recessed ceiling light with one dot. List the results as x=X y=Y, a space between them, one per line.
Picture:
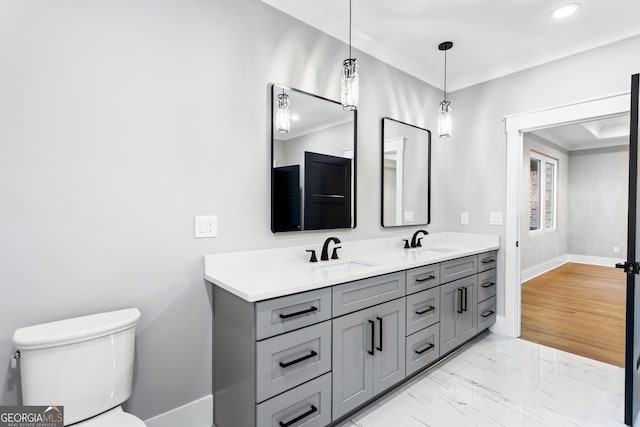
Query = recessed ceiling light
x=565 y=11
x=295 y=117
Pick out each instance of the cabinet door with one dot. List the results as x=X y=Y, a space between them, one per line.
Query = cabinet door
x=389 y=361
x=450 y=296
x=352 y=363
x=467 y=321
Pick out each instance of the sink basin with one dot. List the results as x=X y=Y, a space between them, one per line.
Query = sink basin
x=344 y=267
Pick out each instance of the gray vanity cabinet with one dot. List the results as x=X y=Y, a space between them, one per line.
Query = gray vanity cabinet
x=458 y=313
x=368 y=354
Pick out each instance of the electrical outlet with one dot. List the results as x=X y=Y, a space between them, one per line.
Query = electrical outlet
x=464 y=218
x=495 y=218
x=616 y=249
x=408 y=216
x=206 y=226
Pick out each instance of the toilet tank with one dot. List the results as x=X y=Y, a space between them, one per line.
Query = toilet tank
x=84 y=363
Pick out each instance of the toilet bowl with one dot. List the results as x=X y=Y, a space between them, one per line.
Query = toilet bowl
x=84 y=364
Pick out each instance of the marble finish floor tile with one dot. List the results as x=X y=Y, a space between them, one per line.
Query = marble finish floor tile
x=505 y=382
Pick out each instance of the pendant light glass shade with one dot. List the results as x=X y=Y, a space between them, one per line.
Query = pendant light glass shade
x=444 y=120
x=350 y=92
x=283 y=113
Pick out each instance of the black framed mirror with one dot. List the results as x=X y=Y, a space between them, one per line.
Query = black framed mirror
x=313 y=162
x=406 y=174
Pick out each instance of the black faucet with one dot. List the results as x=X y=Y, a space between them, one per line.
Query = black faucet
x=415 y=242
x=325 y=249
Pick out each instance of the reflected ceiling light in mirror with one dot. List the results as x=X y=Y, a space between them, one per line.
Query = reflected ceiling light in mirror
x=283 y=113
x=349 y=93
x=565 y=11
x=444 y=117
x=295 y=117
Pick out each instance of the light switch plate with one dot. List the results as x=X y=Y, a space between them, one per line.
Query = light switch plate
x=464 y=218
x=496 y=218
x=206 y=226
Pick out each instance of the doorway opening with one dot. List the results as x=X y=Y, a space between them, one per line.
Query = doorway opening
x=573 y=211
x=509 y=323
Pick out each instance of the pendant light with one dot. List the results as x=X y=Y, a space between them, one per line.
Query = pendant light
x=349 y=93
x=283 y=113
x=444 y=117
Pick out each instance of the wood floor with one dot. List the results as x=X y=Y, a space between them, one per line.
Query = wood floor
x=578 y=308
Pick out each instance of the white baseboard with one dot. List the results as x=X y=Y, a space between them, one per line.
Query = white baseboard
x=594 y=260
x=198 y=413
x=542 y=268
x=502 y=327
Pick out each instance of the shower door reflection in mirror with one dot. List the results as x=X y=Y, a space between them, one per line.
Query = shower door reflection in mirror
x=406 y=174
x=313 y=162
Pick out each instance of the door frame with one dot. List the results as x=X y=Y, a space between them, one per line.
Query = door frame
x=515 y=125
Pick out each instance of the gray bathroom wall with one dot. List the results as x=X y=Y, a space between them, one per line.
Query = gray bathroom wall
x=598 y=191
x=120 y=121
x=476 y=153
x=538 y=248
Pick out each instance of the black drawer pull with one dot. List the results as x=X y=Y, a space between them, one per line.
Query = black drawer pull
x=488 y=284
x=426 y=279
x=426 y=310
x=424 y=350
x=379 y=347
x=465 y=290
x=301 y=359
x=371 y=351
x=298 y=313
x=487 y=313
x=459 y=290
x=299 y=417
x=488 y=260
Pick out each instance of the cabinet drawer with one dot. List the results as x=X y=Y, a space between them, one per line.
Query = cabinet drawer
x=290 y=359
x=423 y=347
x=421 y=278
x=486 y=285
x=308 y=405
x=486 y=313
x=487 y=260
x=423 y=309
x=279 y=315
x=365 y=293
x=458 y=268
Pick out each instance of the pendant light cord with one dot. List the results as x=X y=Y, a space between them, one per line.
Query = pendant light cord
x=349 y=29
x=445 y=75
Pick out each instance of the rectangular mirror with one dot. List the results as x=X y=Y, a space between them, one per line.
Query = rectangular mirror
x=406 y=174
x=313 y=162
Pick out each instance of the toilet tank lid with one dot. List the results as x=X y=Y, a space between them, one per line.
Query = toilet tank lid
x=75 y=330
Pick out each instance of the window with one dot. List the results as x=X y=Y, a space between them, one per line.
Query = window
x=543 y=184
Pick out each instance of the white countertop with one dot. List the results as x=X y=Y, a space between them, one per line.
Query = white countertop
x=271 y=273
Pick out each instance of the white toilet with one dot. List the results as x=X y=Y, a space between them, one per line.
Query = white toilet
x=84 y=364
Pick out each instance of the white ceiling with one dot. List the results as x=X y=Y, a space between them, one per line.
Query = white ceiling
x=492 y=38
x=592 y=134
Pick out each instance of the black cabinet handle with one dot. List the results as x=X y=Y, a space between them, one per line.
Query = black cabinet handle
x=299 y=417
x=426 y=279
x=371 y=351
x=379 y=347
x=426 y=310
x=298 y=360
x=488 y=284
x=459 y=310
x=488 y=260
x=427 y=348
x=465 y=290
x=298 y=313
x=487 y=313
